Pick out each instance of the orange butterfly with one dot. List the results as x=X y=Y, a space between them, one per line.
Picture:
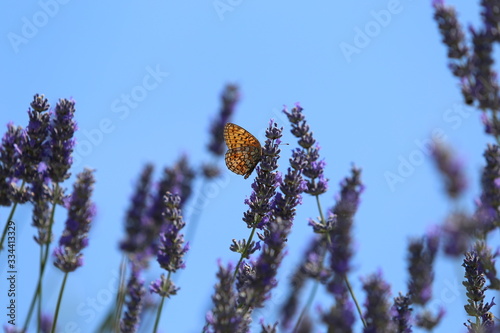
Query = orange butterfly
x=244 y=150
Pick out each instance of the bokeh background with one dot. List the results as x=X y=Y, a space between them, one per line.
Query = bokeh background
x=370 y=101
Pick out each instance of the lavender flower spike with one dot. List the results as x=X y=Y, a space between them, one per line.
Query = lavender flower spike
x=34 y=147
x=81 y=211
x=343 y=212
x=225 y=315
x=454 y=38
x=402 y=310
x=61 y=141
x=10 y=162
x=137 y=226
x=313 y=169
x=135 y=299
x=451 y=170
x=422 y=253
x=264 y=185
x=487 y=211
x=377 y=315
x=475 y=285
x=171 y=251
x=257 y=286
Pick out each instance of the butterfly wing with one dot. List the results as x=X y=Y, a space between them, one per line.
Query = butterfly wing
x=236 y=136
x=243 y=160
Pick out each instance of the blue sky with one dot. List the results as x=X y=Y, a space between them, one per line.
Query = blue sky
x=371 y=76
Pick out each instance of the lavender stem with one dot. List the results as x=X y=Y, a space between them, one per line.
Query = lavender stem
x=56 y=314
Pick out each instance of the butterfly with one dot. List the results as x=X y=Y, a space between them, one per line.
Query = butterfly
x=244 y=150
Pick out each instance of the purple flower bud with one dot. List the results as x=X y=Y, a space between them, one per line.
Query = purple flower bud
x=40 y=103
x=163 y=287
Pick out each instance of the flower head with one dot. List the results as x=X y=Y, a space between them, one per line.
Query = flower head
x=264 y=185
x=225 y=315
x=451 y=170
x=10 y=163
x=485 y=87
x=178 y=179
x=134 y=301
x=487 y=213
x=402 y=313
x=40 y=103
x=377 y=315
x=343 y=211
x=454 y=38
x=313 y=168
x=457 y=232
x=81 y=211
x=61 y=142
x=475 y=285
x=422 y=253
x=451 y=31
x=341 y=315
x=164 y=287
x=137 y=224
x=172 y=249
x=34 y=147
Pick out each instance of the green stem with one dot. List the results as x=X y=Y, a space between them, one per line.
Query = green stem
x=243 y=255
x=43 y=262
x=322 y=217
x=355 y=300
x=54 y=324
x=11 y=215
x=158 y=313
x=120 y=298
x=39 y=294
x=307 y=306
